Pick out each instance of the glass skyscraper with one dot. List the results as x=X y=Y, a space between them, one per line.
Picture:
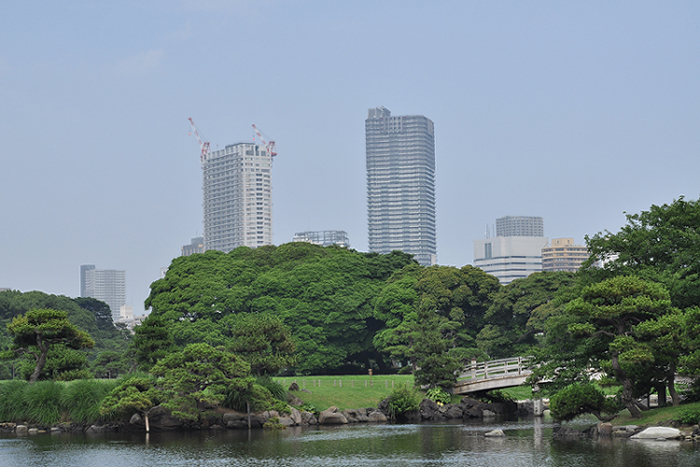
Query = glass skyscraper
x=401 y=184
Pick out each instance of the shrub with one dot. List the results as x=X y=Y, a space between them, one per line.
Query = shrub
x=43 y=402
x=275 y=388
x=438 y=395
x=689 y=416
x=260 y=399
x=403 y=400
x=578 y=399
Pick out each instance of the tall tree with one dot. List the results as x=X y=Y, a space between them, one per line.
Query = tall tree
x=264 y=342
x=661 y=244
x=199 y=374
x=610 y=311
x=38 y=330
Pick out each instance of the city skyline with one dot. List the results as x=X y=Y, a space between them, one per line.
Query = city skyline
x=576 y=112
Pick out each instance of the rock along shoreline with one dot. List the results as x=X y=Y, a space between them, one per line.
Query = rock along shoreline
x=161 y=419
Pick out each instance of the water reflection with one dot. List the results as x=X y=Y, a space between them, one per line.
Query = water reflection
x=527 y=443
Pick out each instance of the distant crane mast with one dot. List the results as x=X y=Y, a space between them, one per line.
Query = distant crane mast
x=269 y=146
x=204 y=145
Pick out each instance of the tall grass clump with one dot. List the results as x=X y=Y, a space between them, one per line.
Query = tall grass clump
x=12 y=405
x=82 y=399
x=43 y=402
x=276 y=389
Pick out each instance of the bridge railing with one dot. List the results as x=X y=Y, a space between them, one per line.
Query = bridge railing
x=505 y=367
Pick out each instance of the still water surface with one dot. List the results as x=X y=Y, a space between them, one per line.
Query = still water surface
x=527 y=443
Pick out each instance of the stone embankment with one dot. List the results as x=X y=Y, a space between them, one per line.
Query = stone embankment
x=160 y=419
x=608 y=430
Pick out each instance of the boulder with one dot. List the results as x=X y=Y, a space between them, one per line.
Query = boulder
x=286 y=421
x=294 y=400
x=376 y=417
x=624 y=431
x=296 y=416
x=160 y=419
x=658 y=433
x=355 y=415
x=293 y=387
x=96 y=429
x=430 y=410
x=307 y=418
x=498 y=433
x=21 y=429
x=332 y=416
x=232 y=417
x=605 y=429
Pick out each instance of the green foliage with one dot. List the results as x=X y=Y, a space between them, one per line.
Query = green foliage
x=689 y=416
x=42 y=402
x=325 y=295
x=661 y=244
x=579 y=399
x=199 y=374
x=133 y=394
x=257 y=397
x=276 y=389
x=152 y=341
x=12 y=403
x=273 y=423
x=41 y=330
x=438 y=395
x=263 y=341
x=83 y=399
x=403 y=400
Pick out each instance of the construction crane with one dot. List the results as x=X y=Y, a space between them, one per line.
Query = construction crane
x=269 y=146
x=204 y=145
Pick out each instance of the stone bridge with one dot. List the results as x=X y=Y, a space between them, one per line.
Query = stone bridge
x=495 y=374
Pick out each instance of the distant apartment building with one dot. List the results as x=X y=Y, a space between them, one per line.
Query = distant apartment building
x=323 y=237
x=563 y=255
x=515 y=252
x=237 y=190
x=196 y=246
x=400 y=153
x=519 y=226
x=107 y=285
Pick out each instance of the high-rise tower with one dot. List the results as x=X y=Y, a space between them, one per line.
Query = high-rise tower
x=107 y=285
x=401 y=184
x=237 y=197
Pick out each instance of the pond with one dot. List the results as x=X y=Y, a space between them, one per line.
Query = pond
x=527 y=443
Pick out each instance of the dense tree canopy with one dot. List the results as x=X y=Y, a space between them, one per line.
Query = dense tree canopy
x=324 y=295
x=661 y=244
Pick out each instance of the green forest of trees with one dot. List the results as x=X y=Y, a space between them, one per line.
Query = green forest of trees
x=632 y=313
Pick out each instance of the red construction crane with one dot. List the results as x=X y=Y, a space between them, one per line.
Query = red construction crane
x=204 y=145
x=269 y=146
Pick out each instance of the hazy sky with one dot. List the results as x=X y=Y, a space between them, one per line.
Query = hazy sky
x=573 y=111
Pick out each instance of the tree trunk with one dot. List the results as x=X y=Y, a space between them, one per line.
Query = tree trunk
x=627 y=390
x=41 y=359
x=671 y=378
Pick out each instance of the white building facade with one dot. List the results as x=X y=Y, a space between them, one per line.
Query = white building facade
x=107 y=285
x=237 y=188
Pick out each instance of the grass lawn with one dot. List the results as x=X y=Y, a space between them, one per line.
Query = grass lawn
x=656 y=416
x=345 y=391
